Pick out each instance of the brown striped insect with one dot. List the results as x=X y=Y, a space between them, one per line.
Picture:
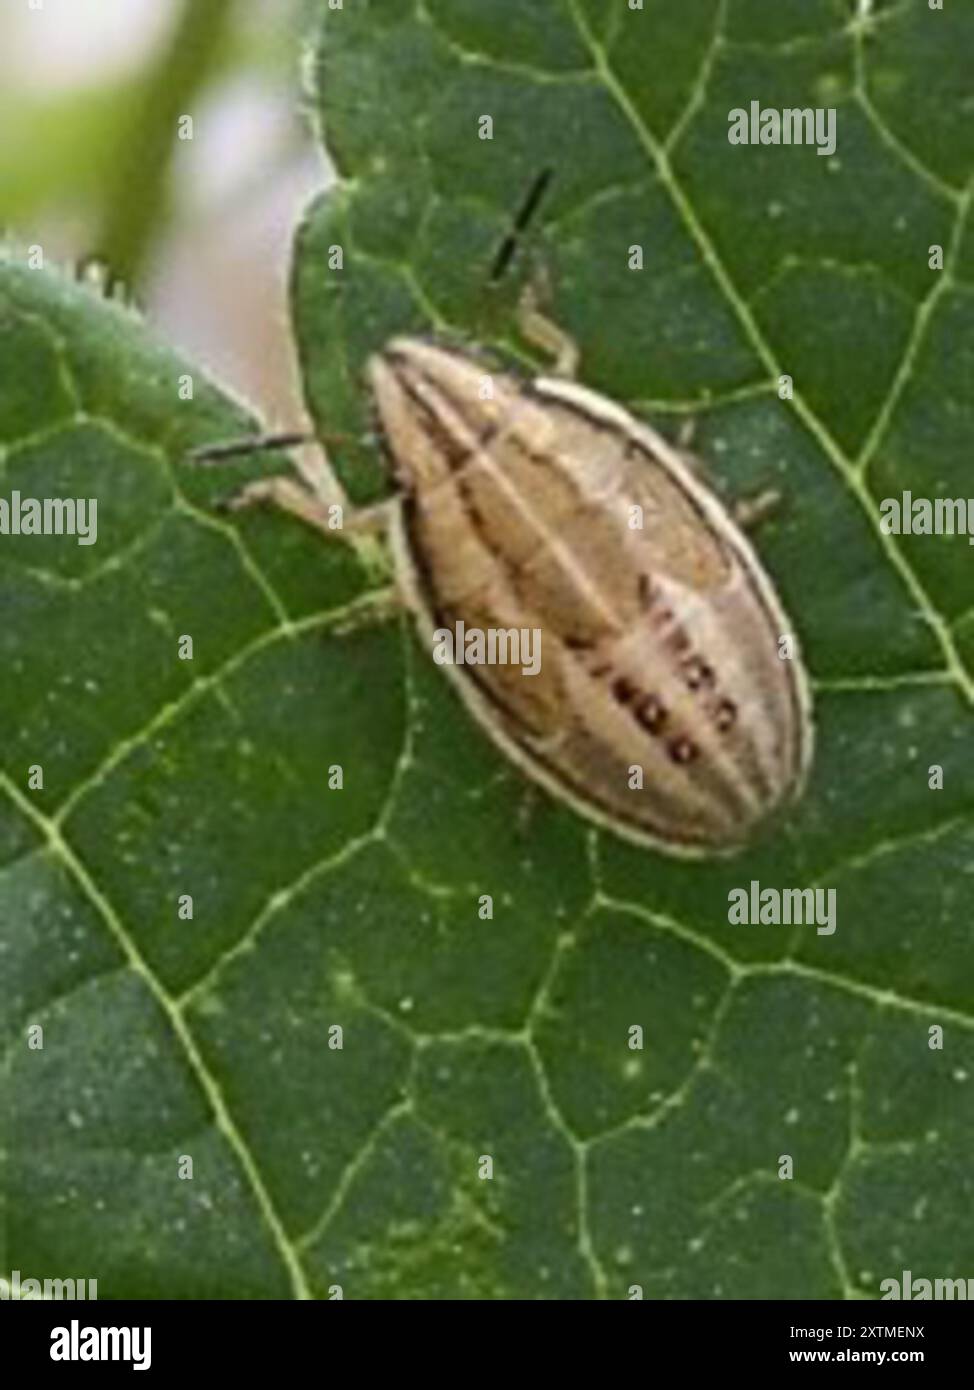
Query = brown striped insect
x=663 y=707
x=670 y=702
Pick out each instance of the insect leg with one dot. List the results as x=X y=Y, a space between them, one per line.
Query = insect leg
x=749 y=512
x=288 y=495
x=542 y=332
x=686 y=432
x=312 y=496
x=313 y=507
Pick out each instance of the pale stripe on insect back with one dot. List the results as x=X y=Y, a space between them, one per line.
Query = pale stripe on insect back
x=484 y=452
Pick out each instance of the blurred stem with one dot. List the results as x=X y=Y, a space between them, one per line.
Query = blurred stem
x=137 y=191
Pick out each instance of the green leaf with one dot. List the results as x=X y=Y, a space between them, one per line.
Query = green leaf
x=316 y=907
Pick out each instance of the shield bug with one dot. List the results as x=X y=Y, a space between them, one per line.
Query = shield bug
x=662 y=706
x=669 y=702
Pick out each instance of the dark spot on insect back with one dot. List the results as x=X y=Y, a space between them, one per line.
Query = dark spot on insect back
x=651 y=714
x=698 y=674
x=624 y=689
x=726 y=715
x=678 y=640
x=682 y=750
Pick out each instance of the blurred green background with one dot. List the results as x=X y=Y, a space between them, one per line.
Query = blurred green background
x=200 y=230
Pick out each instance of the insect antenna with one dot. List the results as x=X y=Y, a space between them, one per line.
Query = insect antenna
x=524 y=215
x=252 y=444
